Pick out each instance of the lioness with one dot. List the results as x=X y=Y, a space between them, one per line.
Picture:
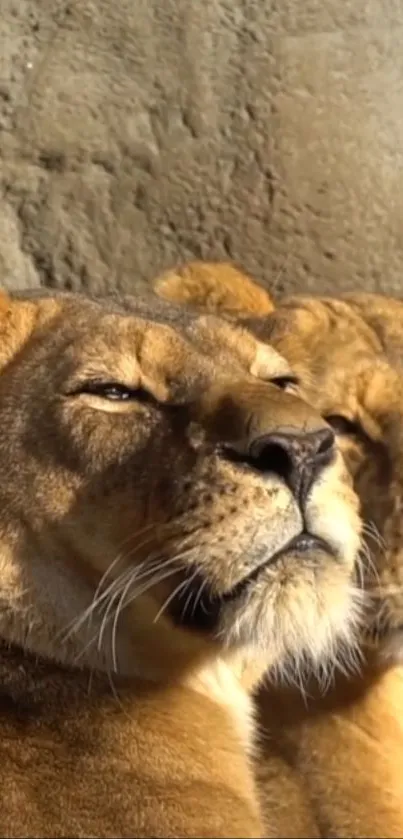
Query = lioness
x=348 y=745
x=171 y=520
x=333 y=765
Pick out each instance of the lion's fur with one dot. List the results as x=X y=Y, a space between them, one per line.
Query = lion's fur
x=331 y=765
x=116 y=717
x=339 y=758
x=236 y=293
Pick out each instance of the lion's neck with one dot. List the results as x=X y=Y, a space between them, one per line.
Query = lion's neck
x=222 y=682
x=43 y=602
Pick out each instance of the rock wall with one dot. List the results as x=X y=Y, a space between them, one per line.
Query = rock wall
x=135 y=134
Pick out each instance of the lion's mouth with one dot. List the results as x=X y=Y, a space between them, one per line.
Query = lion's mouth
x=199 y=608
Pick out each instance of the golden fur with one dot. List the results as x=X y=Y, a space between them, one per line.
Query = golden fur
x=348 y=747
x=196 y=284
x=147 y=575
x=333 y=765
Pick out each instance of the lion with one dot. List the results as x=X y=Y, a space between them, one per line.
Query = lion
x=332 y=765
x=195 y=284
x=173 y=517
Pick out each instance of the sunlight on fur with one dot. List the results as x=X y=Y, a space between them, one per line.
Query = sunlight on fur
x=332 y=763
x=174 y=519
x=183 y=541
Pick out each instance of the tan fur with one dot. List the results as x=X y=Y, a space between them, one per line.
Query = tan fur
x=195 y=284
x=340 y=754
x=351 y=755
x=140 y=597
x=339 y=758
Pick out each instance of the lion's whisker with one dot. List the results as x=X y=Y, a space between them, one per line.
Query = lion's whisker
x=367 y=563
x=198 y=596
x=99 y=597
x=148 y=565
x=127 y=579
x=189 y=597
x=182 y=585
x=385 y=589
x=138 y=593
x=370 y=530
x=108 y=616
x=131 y=576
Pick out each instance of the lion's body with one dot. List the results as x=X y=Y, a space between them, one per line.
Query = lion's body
x=150 y=566
x=348 y=747
x=75 y=760
x=339 y=757
x=332 y=765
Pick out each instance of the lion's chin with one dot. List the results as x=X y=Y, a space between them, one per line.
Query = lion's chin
x=197 y=606
x=300 y=608
x=303 y=625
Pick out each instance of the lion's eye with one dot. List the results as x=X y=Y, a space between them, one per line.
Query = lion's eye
x=113 y=391
x=342 y=425
x=285 y=382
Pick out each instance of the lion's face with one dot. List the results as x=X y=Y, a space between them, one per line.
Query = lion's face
x=163 y=460
x=348 y=354
x=348 y=357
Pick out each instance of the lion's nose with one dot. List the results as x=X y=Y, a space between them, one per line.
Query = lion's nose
x=297 y=457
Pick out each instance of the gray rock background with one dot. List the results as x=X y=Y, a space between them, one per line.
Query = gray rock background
x=138 y=133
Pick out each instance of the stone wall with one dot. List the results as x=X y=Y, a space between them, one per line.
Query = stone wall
x=138 y=133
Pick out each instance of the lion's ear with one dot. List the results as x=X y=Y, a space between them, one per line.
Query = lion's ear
x=16 y=319
x=5 y=303
x=216 y=287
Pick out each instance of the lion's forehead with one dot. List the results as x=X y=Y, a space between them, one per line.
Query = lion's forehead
x=105 y=337
x=167 y=340
x=323 y=339
x=146 y=342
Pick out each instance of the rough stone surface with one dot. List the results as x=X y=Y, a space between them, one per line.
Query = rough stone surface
x=138 y=133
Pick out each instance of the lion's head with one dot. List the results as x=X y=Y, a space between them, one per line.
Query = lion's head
x=350 y=364
x=165 y=497
x=348 y=355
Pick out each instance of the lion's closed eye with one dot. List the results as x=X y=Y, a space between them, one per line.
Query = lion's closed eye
x=111 y=390
x=344 y=426
x=288 y=382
